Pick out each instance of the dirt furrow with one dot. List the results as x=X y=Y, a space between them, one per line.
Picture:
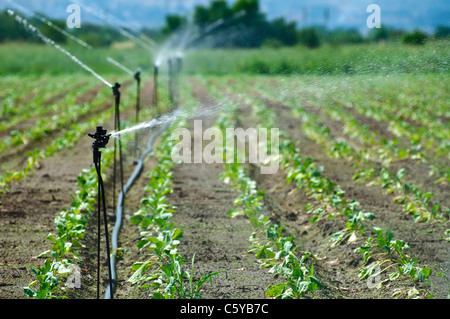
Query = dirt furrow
x=218 y=241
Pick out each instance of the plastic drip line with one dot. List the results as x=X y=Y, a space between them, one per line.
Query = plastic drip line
x=120 y=201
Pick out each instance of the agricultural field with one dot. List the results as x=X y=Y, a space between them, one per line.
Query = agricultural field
x=358 y=208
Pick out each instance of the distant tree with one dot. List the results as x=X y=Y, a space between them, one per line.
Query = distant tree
x=201 y=16
x=309 y=37
x=416 y=37
x=442 y=32
x=173 y=23
x=250 y=7
x=219 y=10
x=284 y=32
x=11 y=30
x=244 y=25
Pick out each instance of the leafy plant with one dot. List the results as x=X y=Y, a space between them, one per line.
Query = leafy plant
x=390 y=253
x=355 y=224
x=300 y=278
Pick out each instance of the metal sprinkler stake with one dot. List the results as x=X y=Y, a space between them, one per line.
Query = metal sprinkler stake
x=155 y=85
x=178 y=68
x=171 y=81
x=101 y=140
x=117 y=127
x=137 y=77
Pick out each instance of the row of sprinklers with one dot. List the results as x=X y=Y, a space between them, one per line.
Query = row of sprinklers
x=171 y=52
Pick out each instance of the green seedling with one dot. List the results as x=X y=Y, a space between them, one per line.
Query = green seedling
x=384 y=252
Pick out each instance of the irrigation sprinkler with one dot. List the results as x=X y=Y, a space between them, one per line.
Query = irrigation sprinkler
x=137 y=76
x=100 y=141
x=118 y=141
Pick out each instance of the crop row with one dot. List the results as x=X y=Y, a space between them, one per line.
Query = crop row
x=20 y=94
x=267 y=241
x=305 y=175
x=433 y=134
x=44 y=125
x=70 y=136
x=370 y=166
x=62 y=260
x=71 y=227
x=52 y=98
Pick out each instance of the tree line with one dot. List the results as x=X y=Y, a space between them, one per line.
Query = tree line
x=219 y=24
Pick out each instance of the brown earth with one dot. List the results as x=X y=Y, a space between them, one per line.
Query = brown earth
x=219 y=242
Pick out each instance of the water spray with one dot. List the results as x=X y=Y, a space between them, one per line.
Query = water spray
x=120 y=66
x=213 y=27
x=101 y=140
x=39 y=34
x=144 y=44
x=50 y=24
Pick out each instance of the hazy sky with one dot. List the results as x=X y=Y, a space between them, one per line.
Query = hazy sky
x=408 y=14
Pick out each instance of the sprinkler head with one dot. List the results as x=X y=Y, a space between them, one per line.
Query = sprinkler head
x=137 y=76
x=116 y=88
x=101 y=139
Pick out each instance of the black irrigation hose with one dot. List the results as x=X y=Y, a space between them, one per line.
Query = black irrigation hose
x=119 y=212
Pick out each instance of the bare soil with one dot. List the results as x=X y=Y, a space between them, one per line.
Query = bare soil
x=220 y=243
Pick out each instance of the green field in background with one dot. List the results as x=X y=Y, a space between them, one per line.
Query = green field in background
x=22 y=58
